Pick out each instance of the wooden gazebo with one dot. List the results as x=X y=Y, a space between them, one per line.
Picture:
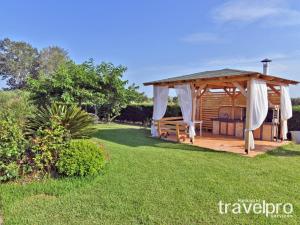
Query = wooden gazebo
x=221 y=103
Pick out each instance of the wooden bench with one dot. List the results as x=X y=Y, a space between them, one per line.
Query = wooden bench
x=172 y=125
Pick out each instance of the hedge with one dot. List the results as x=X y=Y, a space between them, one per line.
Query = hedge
x=294 y=122
x=142 y=114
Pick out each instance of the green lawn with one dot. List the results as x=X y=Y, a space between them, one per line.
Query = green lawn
x=296 y=108
x=148 y=181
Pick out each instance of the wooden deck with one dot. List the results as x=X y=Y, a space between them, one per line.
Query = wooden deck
x=230 y=144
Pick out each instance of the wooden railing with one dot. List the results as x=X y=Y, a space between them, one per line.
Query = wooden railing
x=172 y=125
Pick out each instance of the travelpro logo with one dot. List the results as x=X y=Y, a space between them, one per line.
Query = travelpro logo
x=281 y=210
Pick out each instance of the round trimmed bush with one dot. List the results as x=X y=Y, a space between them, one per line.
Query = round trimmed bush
x=82 y=158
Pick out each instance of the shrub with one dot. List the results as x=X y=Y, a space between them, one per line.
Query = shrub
x=17 y=103
x=296 y=101
x=143 y=113
x=294 y=122
x=12 y=146
x=82 y=158
x=72 y=118
x=47 y=143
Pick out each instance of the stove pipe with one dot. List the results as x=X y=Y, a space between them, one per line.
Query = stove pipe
x=266 y=65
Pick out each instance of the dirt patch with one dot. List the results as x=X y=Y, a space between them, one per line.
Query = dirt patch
x=1 y=220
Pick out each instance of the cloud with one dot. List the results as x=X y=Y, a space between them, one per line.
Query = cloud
x=198 y=38
x=240 y=60
x=269 y=12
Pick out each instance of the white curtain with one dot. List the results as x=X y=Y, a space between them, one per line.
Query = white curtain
x=160 y=95
x=285 y=109
x=185 y=99
x=259 y=106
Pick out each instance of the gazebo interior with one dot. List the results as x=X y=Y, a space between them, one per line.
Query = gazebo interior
x=221 y=111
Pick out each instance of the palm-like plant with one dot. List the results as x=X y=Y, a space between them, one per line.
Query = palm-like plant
x=75 y=120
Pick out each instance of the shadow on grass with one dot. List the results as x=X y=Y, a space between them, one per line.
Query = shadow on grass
x=285 y=151
x=135 y=137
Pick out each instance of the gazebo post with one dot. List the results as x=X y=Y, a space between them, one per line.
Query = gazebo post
x=280 y=122
x=194 y=98
x=248 y=117
x=233 y=103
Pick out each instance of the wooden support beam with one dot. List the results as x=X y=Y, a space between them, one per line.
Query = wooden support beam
x=203 y=92
x=222 y=80
x=274 y=89
x=177 y=133
x=276 y=83
x=199 y=92
x=248 y=117
x=201 y=87
x=158 y=128
x=228 y=92
x=194 y=98
x=233 y=102
x=241 y=88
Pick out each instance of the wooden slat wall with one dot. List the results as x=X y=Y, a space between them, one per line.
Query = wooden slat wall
x=210 y=102
x=274 y=98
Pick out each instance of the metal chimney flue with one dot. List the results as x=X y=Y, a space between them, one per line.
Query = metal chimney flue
x=266 y=65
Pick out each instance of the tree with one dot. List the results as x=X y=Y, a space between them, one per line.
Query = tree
x=117 y=94
x=50 y=58
x=100 y=86
x=18 y=61
x=296 y=101
x=69 y=83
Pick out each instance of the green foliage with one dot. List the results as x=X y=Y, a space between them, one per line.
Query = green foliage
x=70 y=84
x=172 y=100
x=50 y=76
x=46 y=144
x=296 y=108
x=20 y=62
x=114 y=89
x=17 y=103
x=294 y=122
x=295 y=101
x=86 y=84
x=143 y=113
x=82 y=158
x=12 y=146
x=14 y=107
x=51 y=58
x=116 y=92
x=75 y=120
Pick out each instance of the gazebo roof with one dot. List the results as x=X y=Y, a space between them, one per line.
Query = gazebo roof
x=223 y=74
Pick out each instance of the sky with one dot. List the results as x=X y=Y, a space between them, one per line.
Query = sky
x=158 y=39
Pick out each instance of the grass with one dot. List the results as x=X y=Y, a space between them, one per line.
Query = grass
x=296 y=108
x=148 y=181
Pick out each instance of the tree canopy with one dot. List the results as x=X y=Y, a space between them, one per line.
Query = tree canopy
x=51 y=58
x=51 y=76
x=19 y=61
x=86 y=84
